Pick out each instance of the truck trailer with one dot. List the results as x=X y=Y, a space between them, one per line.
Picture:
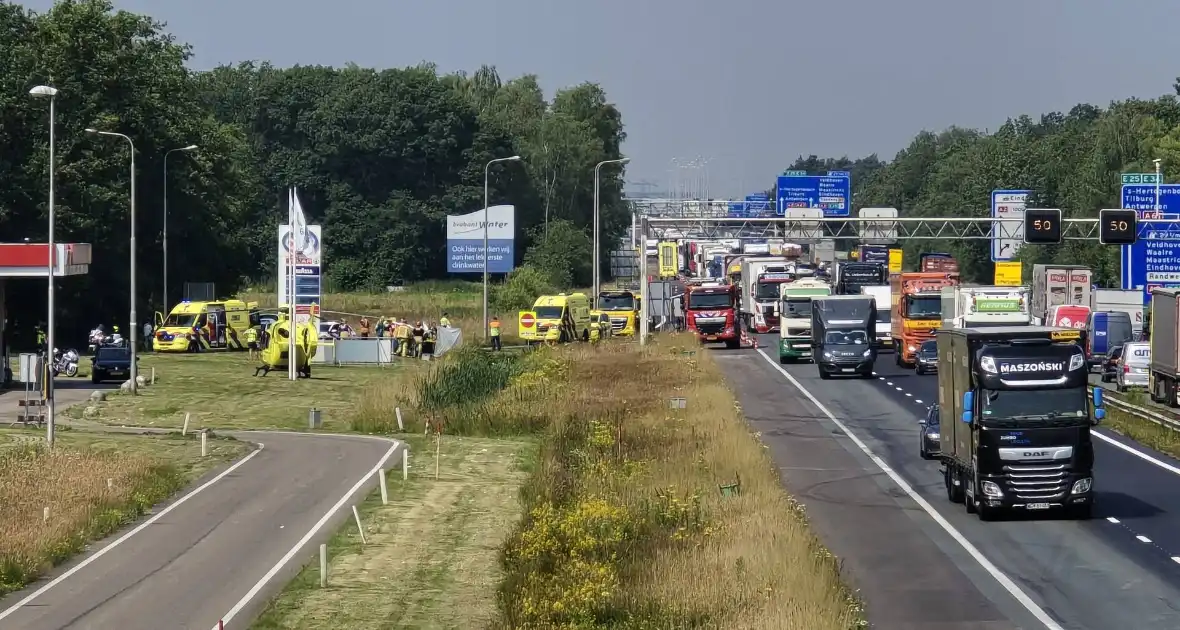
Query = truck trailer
x=981 y=307
x=1129 y=301
x=842 y=328
x=795 y=317
x=1164 y=371
x=1015 y=420
x=1058 y=285
x=883 y=295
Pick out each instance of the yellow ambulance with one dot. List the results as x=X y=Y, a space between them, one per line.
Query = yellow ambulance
x=557 y=318
x=217 y=325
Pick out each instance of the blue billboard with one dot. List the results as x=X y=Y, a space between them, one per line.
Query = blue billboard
x=1154 y=260
x=832 y=194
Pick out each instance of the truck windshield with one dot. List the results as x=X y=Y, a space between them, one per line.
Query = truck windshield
x=923 y=306
x=796 y=307
x=1020 y=403
x=766 y=290
x=180 y=320
x=548 y=312
x=616 y=303
x=884 y=316
x=698 y=301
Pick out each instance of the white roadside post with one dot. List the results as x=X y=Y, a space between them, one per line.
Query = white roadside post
x=45 y=91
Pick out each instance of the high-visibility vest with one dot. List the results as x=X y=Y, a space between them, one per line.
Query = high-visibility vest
x=251 y=335
x=444 y=322
x=495 y=332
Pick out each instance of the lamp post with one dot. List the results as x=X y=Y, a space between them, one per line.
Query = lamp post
x=45 y=91
x=597 y=167
x=191 y=147
x=486 y=170
x=132 y=334
x=1159 y=177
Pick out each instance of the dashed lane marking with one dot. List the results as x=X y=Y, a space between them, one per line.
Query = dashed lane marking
x=1144 y=539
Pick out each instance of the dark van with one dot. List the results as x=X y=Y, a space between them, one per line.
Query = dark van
x=1106 y=331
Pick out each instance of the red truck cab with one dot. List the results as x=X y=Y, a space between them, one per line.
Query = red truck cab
x=711 y=313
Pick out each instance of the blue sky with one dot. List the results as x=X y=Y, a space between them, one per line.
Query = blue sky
x=749 y=84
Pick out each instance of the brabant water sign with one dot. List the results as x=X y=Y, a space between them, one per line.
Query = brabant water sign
x=465 y=235
x=1007 y=237
x=1154 y=260
x=831 y=194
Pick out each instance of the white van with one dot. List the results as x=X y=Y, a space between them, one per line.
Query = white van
x=1133 y=366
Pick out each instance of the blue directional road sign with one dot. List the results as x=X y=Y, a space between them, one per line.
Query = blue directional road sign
x=758 y=205
x=1154 y=260
x=739 y=209
x=840 y=174
x=831 y=194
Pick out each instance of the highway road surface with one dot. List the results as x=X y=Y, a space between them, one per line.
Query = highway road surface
x=848 y=449
x=218 y=551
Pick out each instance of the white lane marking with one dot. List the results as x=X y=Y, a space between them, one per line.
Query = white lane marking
x=1176 y=559
x=120 y=540
x=874 y=373
x=909 y=395
x=237 y=608
x=880 y=378
x=897 y=388
x=1113 y=520
x=889 y=383
x=999 y=576
x=1141 y=455
x=918 y=400
x=1143 y=539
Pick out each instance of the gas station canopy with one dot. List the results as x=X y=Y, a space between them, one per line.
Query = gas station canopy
x=31 y=260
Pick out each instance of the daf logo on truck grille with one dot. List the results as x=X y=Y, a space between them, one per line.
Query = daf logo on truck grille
x=1043 y=366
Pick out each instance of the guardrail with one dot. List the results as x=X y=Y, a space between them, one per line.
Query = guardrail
x=1170 y=421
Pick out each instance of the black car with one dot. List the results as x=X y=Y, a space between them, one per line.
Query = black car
x=929 y=447
x=927 y=357
x=111 y=363
x=1110 y=364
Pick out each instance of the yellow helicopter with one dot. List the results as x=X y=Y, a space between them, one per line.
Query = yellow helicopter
x=274 y=355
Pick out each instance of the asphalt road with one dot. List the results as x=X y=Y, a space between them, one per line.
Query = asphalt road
x=217 y=552
x=921 y=561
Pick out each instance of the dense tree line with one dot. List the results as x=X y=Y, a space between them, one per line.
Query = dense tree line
x=1071 y=161
x=380 y=157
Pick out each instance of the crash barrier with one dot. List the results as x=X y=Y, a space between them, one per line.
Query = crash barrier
x=377 y=350
x=1163 y=419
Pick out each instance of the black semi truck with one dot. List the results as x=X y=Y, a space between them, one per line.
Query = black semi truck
x=851 y=276
x=843 y=328
x=1015 y=419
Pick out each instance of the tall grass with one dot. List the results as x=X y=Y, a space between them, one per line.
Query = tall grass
x=624 y=522
x=82 y=507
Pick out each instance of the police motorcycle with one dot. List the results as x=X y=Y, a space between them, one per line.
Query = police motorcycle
x=65 y=362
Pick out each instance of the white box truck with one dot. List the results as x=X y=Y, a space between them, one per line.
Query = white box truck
x=760 y=282
x=1059 y=285
x=979 y=307
x=883 y=295
x=1129 y=301
x=1165 y=346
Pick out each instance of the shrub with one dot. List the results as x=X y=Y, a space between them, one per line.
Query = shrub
x=521 y=289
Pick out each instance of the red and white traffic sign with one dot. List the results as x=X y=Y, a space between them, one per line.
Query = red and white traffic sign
x=527 y=320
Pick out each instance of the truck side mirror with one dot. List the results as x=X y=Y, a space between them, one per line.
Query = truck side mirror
x=968 y=405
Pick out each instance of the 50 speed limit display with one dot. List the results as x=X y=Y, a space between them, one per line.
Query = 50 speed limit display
x=1118 y=227
x=1042 y=226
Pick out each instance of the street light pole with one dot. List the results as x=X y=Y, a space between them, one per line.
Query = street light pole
x=1158 y=180
x=190 y=147
x=594 y=257
x=132 y=334
x=486 y=170
x=45 y=91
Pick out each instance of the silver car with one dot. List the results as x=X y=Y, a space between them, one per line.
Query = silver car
x=1132 y=368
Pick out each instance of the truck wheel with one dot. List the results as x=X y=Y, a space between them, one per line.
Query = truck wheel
x=954 y=493
x=824 y=375
x=897 y=358
x=733 y=344
x=783 y=360
x=920 y=370
x=986 y=513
